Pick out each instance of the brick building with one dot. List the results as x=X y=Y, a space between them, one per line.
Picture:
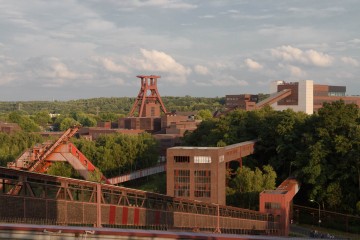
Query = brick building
x=243 y=101
x=309 y=97
x=92 y=133
x=199 y=173
x=278 y=202
x=302 y=96
x=9 y=127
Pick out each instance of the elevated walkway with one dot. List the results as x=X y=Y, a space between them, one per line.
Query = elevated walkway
x=138 y=174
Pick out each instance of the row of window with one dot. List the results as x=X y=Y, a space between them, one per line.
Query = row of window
x=272 y=205
x=182 y=159
x=202 y=159
x=202 y=183
x=197 y=159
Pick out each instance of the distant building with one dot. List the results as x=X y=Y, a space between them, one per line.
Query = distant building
x=309 y=97
x=302 y=96
x=93 y=133
x=9 y=127
x=242 y=101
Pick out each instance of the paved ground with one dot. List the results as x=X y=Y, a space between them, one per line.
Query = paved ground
x=310 y=233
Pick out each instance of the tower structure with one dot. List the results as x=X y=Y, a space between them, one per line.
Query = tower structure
x=148 y=101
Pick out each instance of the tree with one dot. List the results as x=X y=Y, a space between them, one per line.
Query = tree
x=115 y=154
x=60 y=169
x=331 y=157
x=204 y=114
x=12 y=145
x=67 y=122
x=244 y=188
x=24 y=121
x=41 y=118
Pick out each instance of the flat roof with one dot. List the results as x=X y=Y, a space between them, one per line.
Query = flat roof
x=275 y=191
x=197 y=148
x=240 y=144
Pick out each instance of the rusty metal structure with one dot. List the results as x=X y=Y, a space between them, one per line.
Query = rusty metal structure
x=42 y=156
x=51 y=200
x=148 y=101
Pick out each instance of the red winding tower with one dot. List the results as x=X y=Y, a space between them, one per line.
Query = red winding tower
x=148 y=100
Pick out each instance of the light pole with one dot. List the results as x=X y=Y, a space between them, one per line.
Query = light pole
x=312 y=200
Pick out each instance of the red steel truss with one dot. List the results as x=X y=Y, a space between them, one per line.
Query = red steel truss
x=148 y=95
x=44 y=199
x=41 y=157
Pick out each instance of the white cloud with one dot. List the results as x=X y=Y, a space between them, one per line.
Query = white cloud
x=309 y=57
x=355 y=41
x=223 y=81
x=350 y=61
x=296 y=71
x=202 y=70
x=232 y=11
x=52 y=72
x=110 y=65
x=171 y=4
x=250 y=17
x=253 y=65
x=207 y=16
x=7 y=72
x=293 y=70
x=117 y=81
x=97 y=24
x=159 y=61
x=313 y=12
x=153 y=62
x=60 y=70
x=6 y=78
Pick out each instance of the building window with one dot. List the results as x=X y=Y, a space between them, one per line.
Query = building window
x=202 y=159
x=202 y=183
x=181 y=183
x=337 y=94
x=182 y=159
x=272 y=205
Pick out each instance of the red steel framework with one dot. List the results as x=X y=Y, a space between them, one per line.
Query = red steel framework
x=41 y=157
x=148 y=95
x=51 y=200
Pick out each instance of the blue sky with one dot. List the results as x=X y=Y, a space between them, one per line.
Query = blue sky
x=71 y=49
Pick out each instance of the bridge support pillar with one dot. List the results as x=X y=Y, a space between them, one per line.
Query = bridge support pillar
x=98 y=205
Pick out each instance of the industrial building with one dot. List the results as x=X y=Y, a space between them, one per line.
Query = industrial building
x=199 y=173
x=148 y=114
x=277 y=202
x=304 y=96
x=309 y=97
x=9 y=127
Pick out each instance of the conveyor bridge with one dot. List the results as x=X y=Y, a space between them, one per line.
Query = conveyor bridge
x=44 y=199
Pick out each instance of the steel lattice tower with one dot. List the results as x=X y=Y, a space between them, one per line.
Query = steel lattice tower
x=148 y=100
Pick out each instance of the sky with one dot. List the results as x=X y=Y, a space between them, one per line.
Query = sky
x=75 y=49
